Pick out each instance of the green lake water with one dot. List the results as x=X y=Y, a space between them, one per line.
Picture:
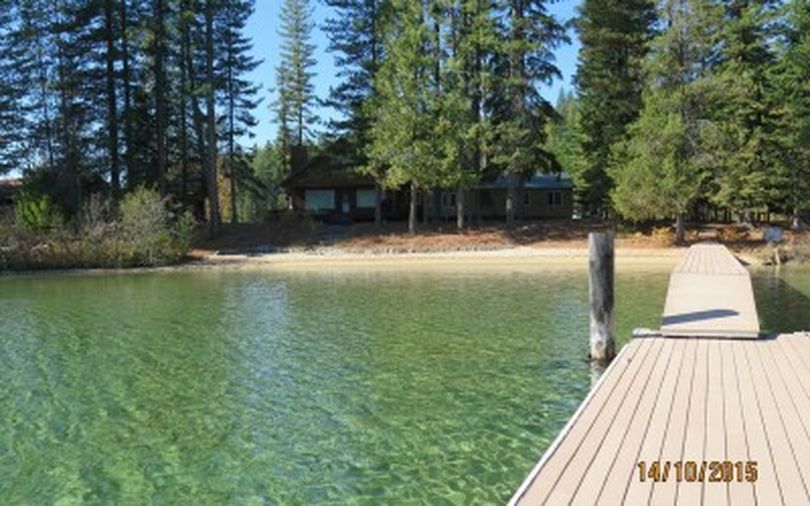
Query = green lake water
x=299 y=388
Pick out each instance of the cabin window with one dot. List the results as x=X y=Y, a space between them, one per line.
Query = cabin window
x=317 y=200
x=366 y=198
x=449 y=199
x=526 y=199
x=555 y=199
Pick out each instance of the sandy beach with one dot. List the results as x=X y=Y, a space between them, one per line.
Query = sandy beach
x=511 y=258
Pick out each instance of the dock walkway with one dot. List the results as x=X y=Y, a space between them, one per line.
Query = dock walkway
x=711 y=420
x=710 y=295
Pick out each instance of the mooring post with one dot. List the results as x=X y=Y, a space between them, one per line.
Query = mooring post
x=601 y=274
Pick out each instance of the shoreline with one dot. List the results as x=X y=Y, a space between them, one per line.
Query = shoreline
x=335 y=259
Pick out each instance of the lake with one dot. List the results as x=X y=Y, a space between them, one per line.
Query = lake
x=217 y=387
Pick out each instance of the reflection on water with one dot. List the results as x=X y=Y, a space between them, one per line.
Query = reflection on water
x=301 y=388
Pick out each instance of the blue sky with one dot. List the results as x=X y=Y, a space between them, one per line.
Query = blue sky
x=263 y=28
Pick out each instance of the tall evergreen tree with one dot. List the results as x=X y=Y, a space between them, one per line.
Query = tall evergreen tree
x=610 y=79
x=355 y=36
x=296 y=93
x=661 y=170
x=525 y=60
x=158 y=54
x=476 y=41
x=744 y=115
x=110 y=57
x=238 y=94
x=564 y=140
x=407 y=134
x=14 y=61
x=210 y=119
x=791 y=88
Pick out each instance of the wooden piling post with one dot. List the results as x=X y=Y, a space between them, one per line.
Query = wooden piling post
x=600 y=294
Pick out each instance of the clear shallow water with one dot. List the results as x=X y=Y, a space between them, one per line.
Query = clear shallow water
x=268 y=388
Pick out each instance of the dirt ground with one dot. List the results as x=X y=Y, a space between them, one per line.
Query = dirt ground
x=394 y=237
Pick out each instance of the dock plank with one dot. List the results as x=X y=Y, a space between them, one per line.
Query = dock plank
x=736 y=439
x=694 y=442
x=664 y=417
x=629 y=449
x=628 y=417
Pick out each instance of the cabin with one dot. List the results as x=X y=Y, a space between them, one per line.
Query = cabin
x=327 y=186
x=8 y=189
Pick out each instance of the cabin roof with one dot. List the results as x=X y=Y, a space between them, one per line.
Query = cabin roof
x=325 y=170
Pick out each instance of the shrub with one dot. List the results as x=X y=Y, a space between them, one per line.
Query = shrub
x=35 y=213
x=97 y=217
x=140 y=234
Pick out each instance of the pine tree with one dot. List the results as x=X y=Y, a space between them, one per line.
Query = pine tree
x=407 y=135
x=791 y=87
x=524 y=60
x=355 y=36
x=238 y=94
x=563 y=136
x=744 y=115
x=661 y=169
x=210 y=119
x=610 y=79
x=110 y=57
x=476 y=42
x=158 y=53
x=14 y=62
x=356 y=39
x=296 y=93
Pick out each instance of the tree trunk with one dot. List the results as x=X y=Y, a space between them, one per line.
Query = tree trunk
x=196 y=112
x=510 y=200
x=112 y=120
x=185 y=50
x=378 y=193
x=234 y=216
x=125 y=77
x=160 y=96
x=426 y=195
x=412 y=210
x=231 y=135
x=680 y=229
x=796 y=219
x=460 y=208
x=211 y=158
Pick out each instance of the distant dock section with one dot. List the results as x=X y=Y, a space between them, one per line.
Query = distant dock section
x=710 y=295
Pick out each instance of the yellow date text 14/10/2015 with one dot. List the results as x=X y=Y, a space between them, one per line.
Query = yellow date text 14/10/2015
x=714 y=471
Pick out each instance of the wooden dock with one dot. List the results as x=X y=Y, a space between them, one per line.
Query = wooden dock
x=691 y=404
x=710 y=295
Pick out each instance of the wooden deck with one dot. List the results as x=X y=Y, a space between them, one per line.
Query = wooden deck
x=710 y=294
x=680 y=399
x=672 y=398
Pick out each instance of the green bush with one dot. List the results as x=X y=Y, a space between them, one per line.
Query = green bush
x=36 y=213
